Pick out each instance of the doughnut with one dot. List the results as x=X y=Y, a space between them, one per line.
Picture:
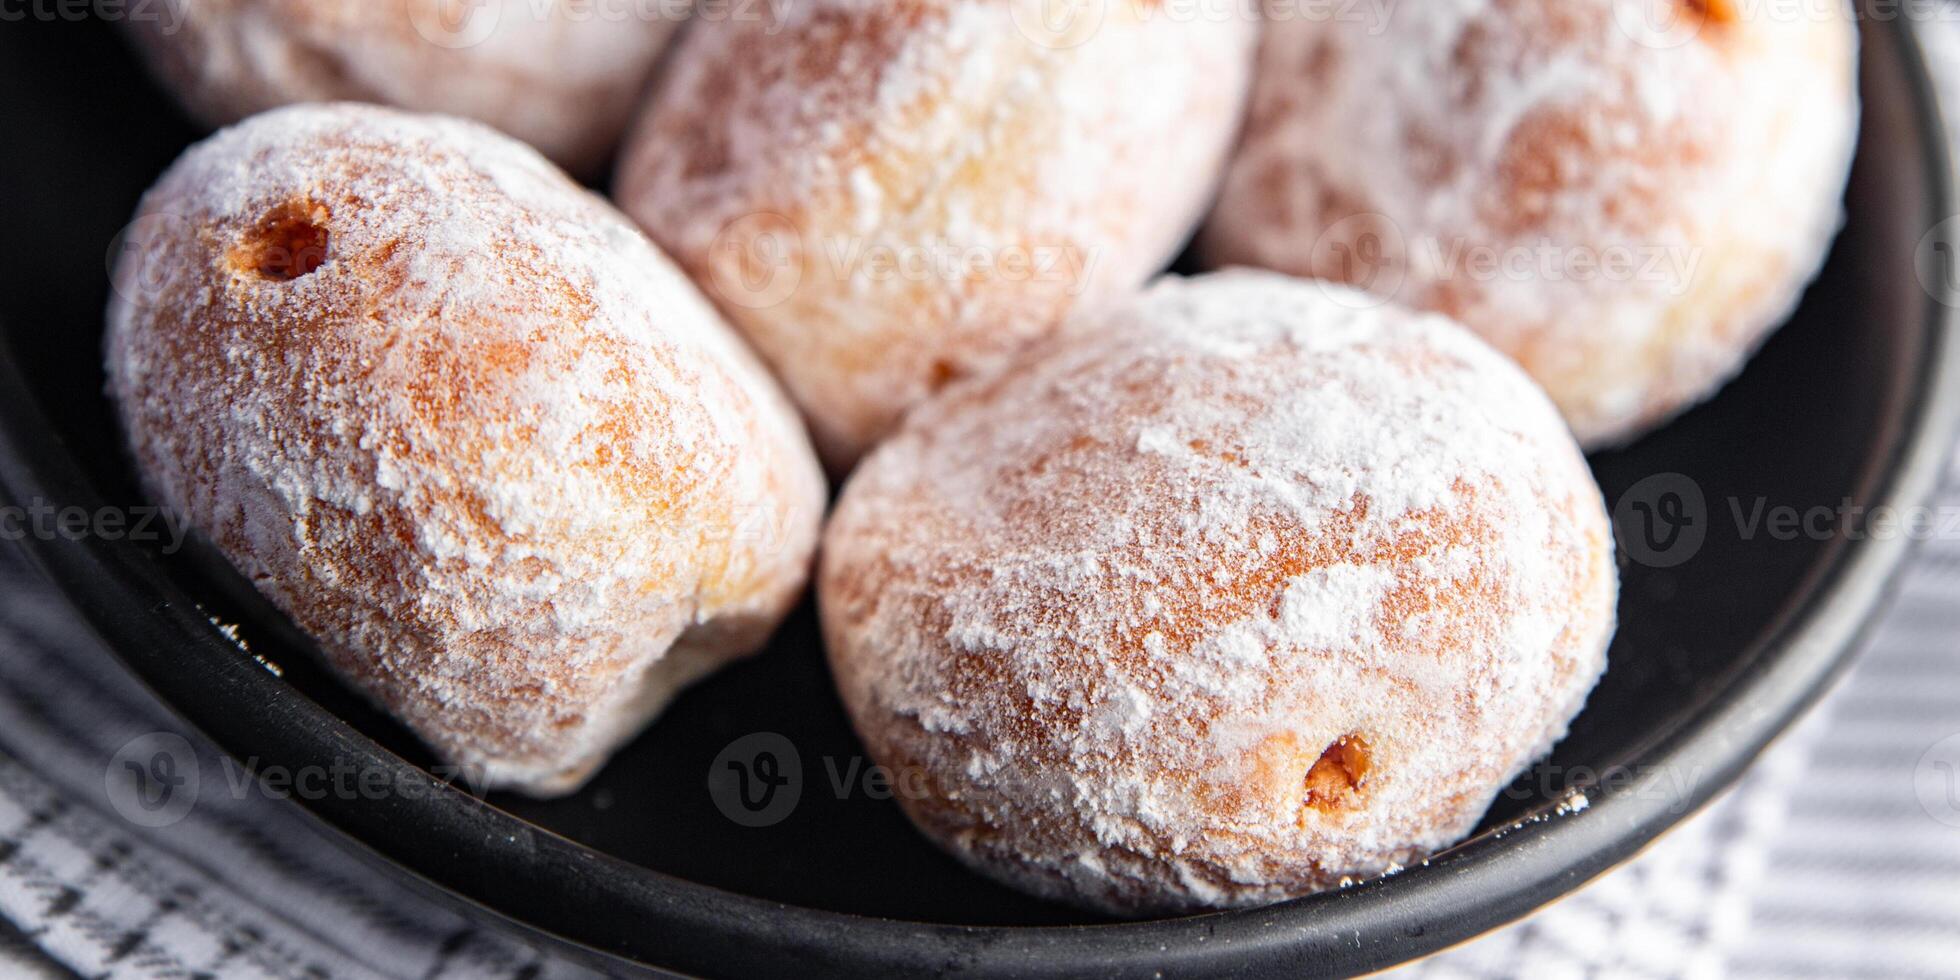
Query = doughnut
x=1626 y=196
x=884 y=199
x=562 y=75
x=1228 y=594
x=463 y=424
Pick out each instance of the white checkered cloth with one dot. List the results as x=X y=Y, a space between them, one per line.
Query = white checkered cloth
x=1837 y=857
x=243 y=887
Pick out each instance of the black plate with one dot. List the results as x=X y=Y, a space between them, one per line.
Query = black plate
x=1716 y=654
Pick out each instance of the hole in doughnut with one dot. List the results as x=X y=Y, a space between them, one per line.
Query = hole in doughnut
x=1336 y=779
x=288 y=243
x=940 y=374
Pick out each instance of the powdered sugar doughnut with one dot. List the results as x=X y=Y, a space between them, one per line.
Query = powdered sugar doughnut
x=1228 y=595
x=463 y=424
x=562 y=75
x=1624 y=195
x=884 y=199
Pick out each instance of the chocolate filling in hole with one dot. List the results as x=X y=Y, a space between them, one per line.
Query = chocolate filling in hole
x=288 y=243
x=1339 y=776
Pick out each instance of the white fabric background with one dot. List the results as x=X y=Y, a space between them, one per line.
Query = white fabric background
x=1823 y=863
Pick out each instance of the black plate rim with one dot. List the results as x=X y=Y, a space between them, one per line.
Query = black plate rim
x=629 y=917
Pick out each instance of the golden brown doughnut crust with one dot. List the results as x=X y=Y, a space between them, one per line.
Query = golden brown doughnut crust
x=463 y=424
x=1229 y=595
x=1625 y=196
x=562 y=75
x=886 y=196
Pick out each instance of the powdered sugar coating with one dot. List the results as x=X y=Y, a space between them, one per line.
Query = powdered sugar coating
x=1111 y=608
x=1624 y=195
x=884 y=198
x=493 y=451
x=562 y=75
